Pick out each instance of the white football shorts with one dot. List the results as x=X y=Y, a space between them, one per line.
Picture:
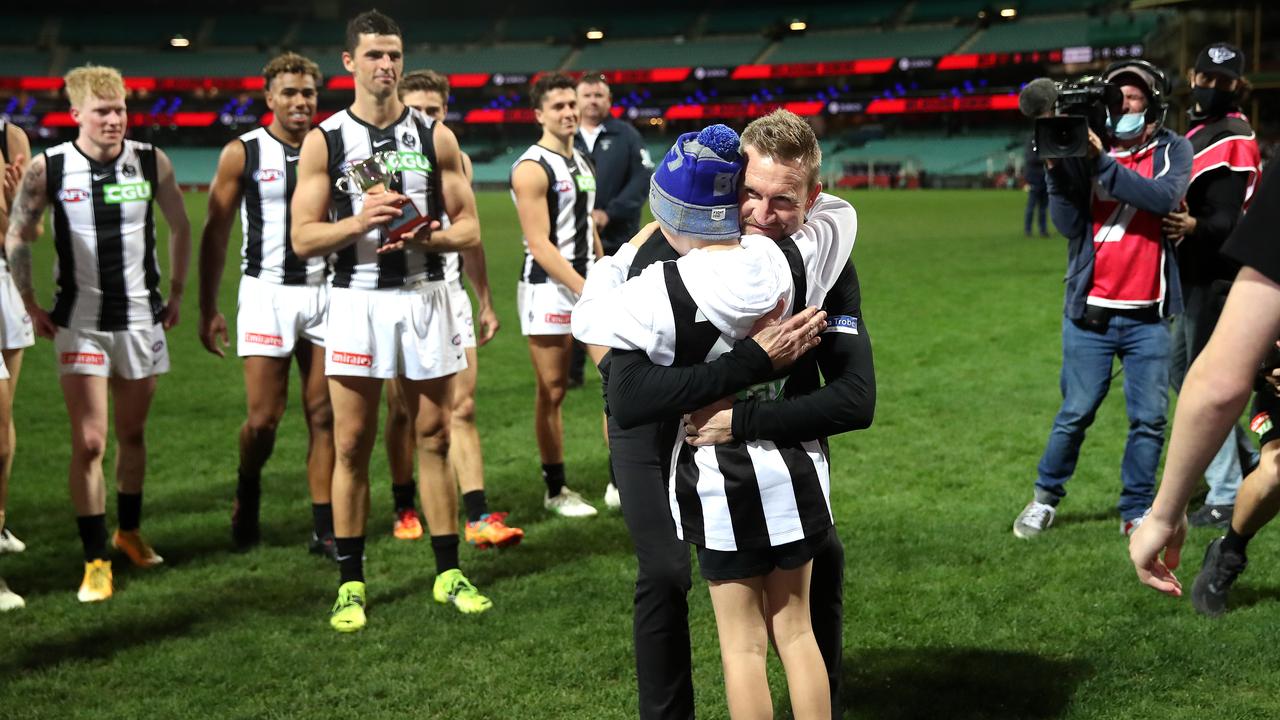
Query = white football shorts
x=128 y=354
x=463 y=316
x=404 y=332
x=272 y=318
x=545 y=308
x=16 y=330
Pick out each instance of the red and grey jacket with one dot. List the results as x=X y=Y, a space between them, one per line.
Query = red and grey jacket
x=1112 y=205
x=1224 y=175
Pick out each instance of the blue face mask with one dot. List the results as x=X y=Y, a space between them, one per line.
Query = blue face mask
x=1129 y=127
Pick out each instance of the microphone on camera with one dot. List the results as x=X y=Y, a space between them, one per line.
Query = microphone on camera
x=1038 y=97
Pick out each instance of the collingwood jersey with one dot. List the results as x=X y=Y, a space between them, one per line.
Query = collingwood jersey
x=571 y=194
x=351 y=140
x=270 y=174
x=105 y=236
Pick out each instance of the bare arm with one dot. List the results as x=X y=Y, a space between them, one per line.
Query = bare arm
x=24 y=229
x=311 y=232
x=19 y=151
x=224 y=198
x=529 y=182
x=169 y=198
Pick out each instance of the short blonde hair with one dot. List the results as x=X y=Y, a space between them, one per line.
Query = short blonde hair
x=785 y=136
x=93 y=81
x=291 y=62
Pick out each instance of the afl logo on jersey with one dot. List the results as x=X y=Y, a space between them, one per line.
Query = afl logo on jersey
x=267 y=175
x=408 y=140
x=72 y=195
x=564 y=186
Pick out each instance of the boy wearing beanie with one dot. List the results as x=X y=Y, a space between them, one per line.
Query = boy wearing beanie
x=757 y=513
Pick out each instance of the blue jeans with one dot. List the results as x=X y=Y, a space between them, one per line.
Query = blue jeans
x=1143 y=349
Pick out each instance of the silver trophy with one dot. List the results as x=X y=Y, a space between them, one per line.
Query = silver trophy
x=374 y=175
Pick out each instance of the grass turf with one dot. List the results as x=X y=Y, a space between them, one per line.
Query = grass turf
x=947 y=615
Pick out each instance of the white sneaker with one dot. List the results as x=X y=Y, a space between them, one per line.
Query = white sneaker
x=9 y=600
x=9 y=543
x=1034 y=519
x=612 y=498
x=568 y=504
x=1128 y=526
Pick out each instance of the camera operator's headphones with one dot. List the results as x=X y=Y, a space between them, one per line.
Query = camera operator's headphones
x=1155 y=80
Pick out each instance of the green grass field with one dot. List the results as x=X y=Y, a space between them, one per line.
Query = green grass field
x=947 y=615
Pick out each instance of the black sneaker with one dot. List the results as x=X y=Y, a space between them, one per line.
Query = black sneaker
x=1217 y=574
x=245 y=532
x=1218 y=516
x=325 y=546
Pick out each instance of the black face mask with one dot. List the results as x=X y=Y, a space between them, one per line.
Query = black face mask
x=1213 y=101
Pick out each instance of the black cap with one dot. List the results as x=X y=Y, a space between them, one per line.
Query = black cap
x=1222 y=58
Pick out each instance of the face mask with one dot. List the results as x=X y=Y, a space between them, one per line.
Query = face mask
x=1213 y=101
x=1129 y=127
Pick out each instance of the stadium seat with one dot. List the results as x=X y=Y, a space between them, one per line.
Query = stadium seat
x=939 y=155
x=446 y=30
x=948 y=10
x=22 y=30
x=147 y=30
x=496 y=58
x=630 y=54
x=652 y=24
x=852 y=15
x=1047 y=33
x=248 y=30
x=193 y=166
x=822 y=46
x=543 y=28
x=750 y=21
x=24 y=62
x=321 y=33
x=1053 y=7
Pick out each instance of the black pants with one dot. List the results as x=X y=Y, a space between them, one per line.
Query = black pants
x=664 y=577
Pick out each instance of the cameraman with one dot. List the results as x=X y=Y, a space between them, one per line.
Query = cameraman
x=1223 y=175
x=1121 y=284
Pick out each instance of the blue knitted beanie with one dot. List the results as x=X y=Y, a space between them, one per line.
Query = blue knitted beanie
x=694 y=190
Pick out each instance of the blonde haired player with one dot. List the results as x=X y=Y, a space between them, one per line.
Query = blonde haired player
x=108 y=319
x=282 y=298
x=428 y=92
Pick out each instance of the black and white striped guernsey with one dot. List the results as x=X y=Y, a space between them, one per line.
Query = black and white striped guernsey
x=743 y=495
x=270 y=174
x=351 y=140
x=571 y=194
x=4 y=153
x=105 y=237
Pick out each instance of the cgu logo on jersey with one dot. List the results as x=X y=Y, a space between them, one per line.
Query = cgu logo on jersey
x=73 y=195
x=407 y=161
x=767 y=391
x=116 y=193
x=268 y=175
x=586 y=183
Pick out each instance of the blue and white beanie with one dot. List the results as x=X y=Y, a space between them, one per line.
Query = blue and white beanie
x=694 y=190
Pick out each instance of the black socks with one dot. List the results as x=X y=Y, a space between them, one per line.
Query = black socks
x=553 y=476
x=351 y=558
x=446 y=550
x=129 y=510
x=93 y=536
x=475 y=504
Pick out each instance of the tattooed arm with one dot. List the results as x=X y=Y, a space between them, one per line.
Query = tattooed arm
x=24 y=229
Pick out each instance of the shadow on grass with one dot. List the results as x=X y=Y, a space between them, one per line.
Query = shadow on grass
x=1245 y=596
x=1080 y=518
x=959 y=684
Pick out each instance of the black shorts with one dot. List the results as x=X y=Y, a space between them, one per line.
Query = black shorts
x=1265 y=419
x=742 y=564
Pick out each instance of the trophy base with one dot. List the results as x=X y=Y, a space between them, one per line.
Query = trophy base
x=406 y=224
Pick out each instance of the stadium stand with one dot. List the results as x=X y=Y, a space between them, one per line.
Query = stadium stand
x=496 y=58
x=469 y=29
x=209 y=63
x=947 y=10
x=957 y=155
x=1045 y=33
x=666 y=53
x=848 y=45
x=23 y=31
x=860 y=14
x=150 y=30
x=653 y=24
x=24 y=62
x=247 y=31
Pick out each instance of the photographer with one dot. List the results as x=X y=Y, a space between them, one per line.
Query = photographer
x=1120 y=287
x=1224 y=173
